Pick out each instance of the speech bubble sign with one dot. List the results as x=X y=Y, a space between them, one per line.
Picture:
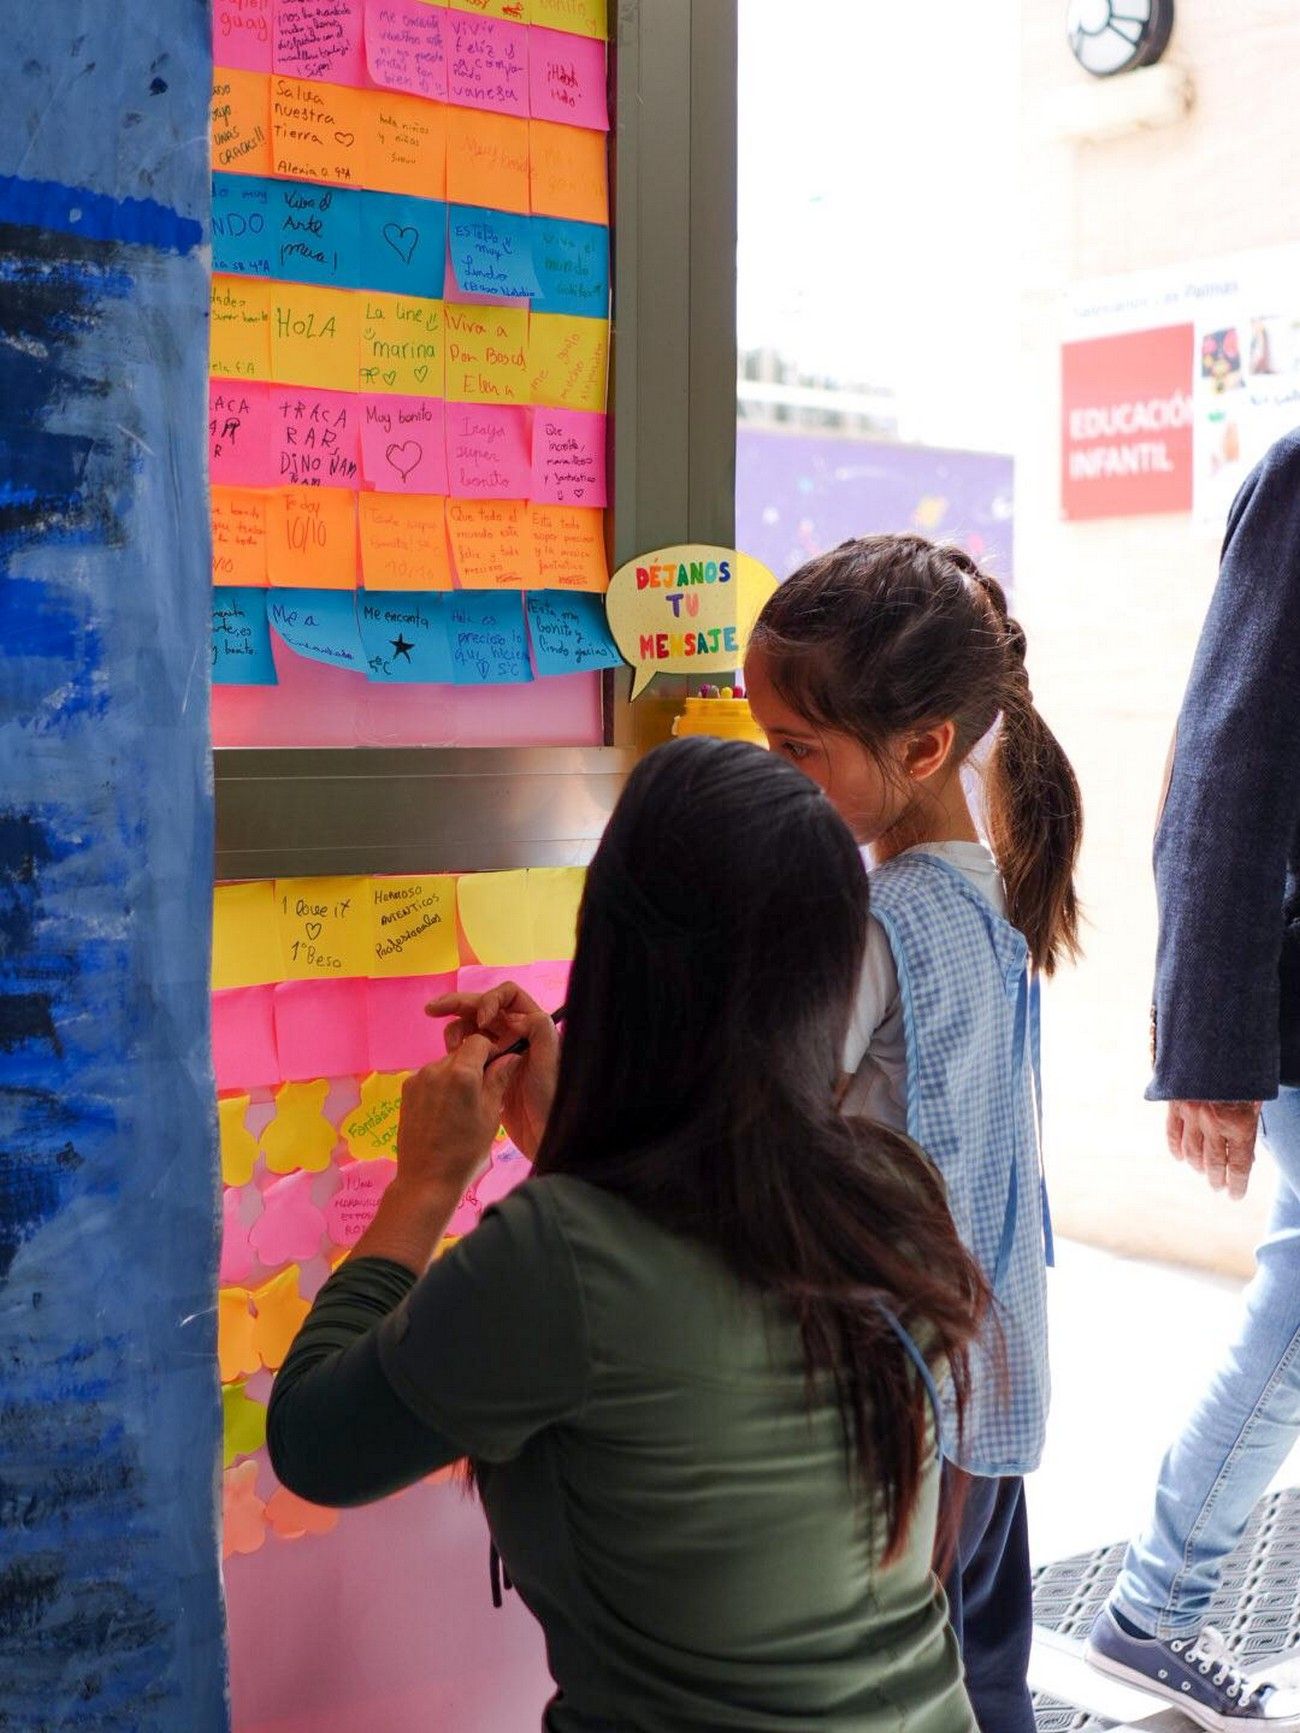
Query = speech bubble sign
x=687 y=609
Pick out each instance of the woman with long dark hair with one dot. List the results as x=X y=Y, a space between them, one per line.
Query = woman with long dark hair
x=690 y=1359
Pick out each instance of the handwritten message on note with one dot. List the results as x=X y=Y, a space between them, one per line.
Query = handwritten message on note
x=570 y=543
x=405 y=47
x=352 y=1208
x=404 y=542
x=318 y=131
x=581 y=17
x=568 y=359
x=401 y=345
x=567 y=79
x=489 y=645
x=405 y=638
x=406 y=144
x=241 y=638
x=403 y=444
x=324 y=927
x=241 y=34
x=570 y=635
x=319 y=39
x=572 y=265
x=516 y=11
x=239 y=537
x=487 y=63
x=492 y=252
x=245 y=935
x=488 y=355
x=271 y=228
x=492 y=544
x=370 y=1130
x=315 y=336
x=569 y=172
x=241 y=122
x=414 y=924
x=315 y=438
x=241 y=328
x=404 y=242
x=568 y=457
x=489 y=451
x=311 y=539
x=487 y=160
x=319 y=624
x=239 y=432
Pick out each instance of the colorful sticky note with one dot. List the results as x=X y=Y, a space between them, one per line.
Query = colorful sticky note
x=581 y=17
x=494 y=914
x=320 y=625
x=315 y=437
x=509 y=1168
x=280 y=1312
x=568 y=466
x=488 y=354
x=238 y=1145
x=546 y=983
x=492 y=544
x=290 y=1517
x=243 y=1038
x=404 y=240
x=352 y=1208
x=489 y=451
x=489 y=646
x=370 y=1130
x=487 y=160
x=319 y=132
x=245 y=935
x=572 y=265
x=320 y=1029
x=566 y=79
x=240 y=336
x=239 y=434
x=244 y=1424
x=570 y=542
x=239 y=533
x=241 y=34
x=406 y=144
x=517 y=11
x=315 y=335
x=403 y=444
x=492 y=252
x=241 y=122
x=401 y=339
x=567 y=361
x=241 y=638
x=403 y=542
x=569 y=633
x=243 y=1515
x=405 y=49
x=325 y=930
x=569 y=173
x=237 y=1354
x=319 y=39
x=554 y=894
x=402 y=1037
x=286 y=229
x=300 y=1138
x=405 y=638
x=290 y=1227
x=236 y=1253
x=414 y=925
x=487 y=63
x=311 y=541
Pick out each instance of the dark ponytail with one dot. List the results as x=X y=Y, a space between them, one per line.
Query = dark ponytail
x=889 y=634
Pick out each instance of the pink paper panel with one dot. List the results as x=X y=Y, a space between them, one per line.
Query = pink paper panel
x=243 y=1038
x=320 y=1029
x=402 y=1038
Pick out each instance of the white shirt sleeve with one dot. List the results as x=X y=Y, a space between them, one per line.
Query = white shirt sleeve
x=877 y=995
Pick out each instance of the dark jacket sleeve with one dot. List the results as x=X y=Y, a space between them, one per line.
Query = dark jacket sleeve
x=1231 y=811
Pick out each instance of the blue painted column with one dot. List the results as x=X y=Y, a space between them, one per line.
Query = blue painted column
x=110 y=1612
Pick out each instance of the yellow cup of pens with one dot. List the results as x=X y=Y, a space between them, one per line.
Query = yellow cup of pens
x=720 y=712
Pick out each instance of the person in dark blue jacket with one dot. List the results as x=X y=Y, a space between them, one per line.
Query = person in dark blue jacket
x=1226 y=1041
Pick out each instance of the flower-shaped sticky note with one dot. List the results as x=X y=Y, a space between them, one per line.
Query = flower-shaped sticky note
x=290 y=1227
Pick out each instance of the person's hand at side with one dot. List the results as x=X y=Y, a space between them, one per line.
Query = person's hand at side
x=504 y=1016
x=1216 y=1138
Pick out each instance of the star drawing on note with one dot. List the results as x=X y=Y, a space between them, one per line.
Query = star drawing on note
x=401 y=647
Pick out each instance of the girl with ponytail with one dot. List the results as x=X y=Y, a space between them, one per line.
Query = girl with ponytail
x=891 y=673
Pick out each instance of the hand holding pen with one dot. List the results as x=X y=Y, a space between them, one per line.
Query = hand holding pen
x=514 y=1023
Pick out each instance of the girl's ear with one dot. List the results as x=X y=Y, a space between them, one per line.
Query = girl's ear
x=926 y=753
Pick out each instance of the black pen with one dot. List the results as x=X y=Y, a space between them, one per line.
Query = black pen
x=521 y=1045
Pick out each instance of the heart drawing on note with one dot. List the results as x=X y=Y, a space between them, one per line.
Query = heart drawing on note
x=313 y=929
x=404 y=457
x=346 y=139
x=390 y=377
x=421 y=374
x=403 y=241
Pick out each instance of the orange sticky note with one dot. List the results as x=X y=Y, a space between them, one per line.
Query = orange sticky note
x=567 y=361
x=239 y=545
x=291 y=1517
x=241 y=328
x=400 y=345
x=406 y=144
x=492 y=544
x=570 y=542
x=318 y=131
x=488 y=356
x=578 y=17
x=243 y=1514
x=404 y=547
x=241 y=122
x=315 y=336
x=569 y=173
x=487 y=159
x=280 y=1312
x=311 y=541
x=236 y=1350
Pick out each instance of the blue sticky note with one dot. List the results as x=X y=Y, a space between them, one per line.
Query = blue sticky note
x=403 y=244
x=241 y=643
x=492 y=251
x=319 y=624
x=572 y=265
x=243 y=223
x=489 y=646
x=569 y=632
x=405 y=637
x=287 y=230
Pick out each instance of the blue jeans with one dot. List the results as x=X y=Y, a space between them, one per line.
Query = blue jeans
x=1241 y=1431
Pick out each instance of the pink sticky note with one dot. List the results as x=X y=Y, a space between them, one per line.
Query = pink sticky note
x=506 y=1172
x=241 y=34
x=489 y=451
x=290 y=1227
x=319 y=39
x=350 y=1211
x=566 y=79
x=243 y=1038
x=236 y=1252
x=402 y=1038
x=405 y=47
x=314 y=437
x=320 y=1029
x=239 y=433
x=403 y=442
x=568 y=457
x=546 y=984
x=487 y=62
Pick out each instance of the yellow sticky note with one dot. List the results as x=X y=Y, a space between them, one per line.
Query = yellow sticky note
x=495 y=915
x=567 y=361
x=570 y=542
x=244 y=1423
x=578 y=17
x=488 y=356
x=487 y=159
x=280 y=1312
x=318 y=131
x=406 y=144
x=414 y=924
x=569 y=172
x=400 y=341
x=245 y=935
x=239 y=536
x=299 y=1136
x=315 y=336
x=238 y=1145
x=370 y=1130
x=325 y=925
x=241 y=328
x=554 y=894
x=311 y=538
x=236 y=1350
x=513 y=11
x=404 y=542
x=241 y=122
x=492 y=544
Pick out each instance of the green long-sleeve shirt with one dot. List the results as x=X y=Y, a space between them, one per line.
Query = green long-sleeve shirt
x=664 y=1500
